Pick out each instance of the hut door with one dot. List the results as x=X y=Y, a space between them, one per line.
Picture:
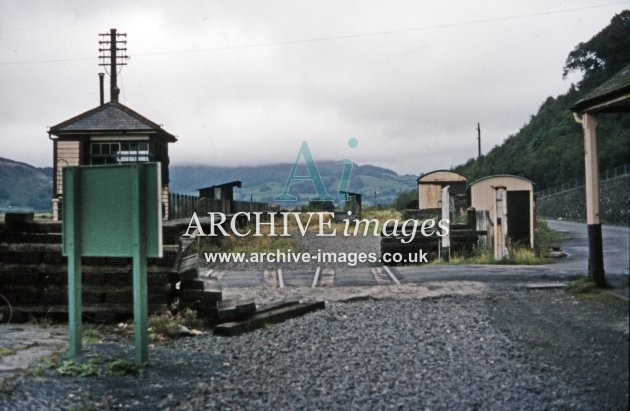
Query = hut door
x=518 y=209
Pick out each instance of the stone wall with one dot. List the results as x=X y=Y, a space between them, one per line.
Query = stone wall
x=571 y=204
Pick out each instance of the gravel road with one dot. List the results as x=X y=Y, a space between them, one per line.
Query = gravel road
x=494 y=348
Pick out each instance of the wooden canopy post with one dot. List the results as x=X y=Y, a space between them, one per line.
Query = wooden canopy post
x=591 y=179
x=612 y=96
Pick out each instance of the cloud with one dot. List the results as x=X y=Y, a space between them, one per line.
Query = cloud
x=246 y=82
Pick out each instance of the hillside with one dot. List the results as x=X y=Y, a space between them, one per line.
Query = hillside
x=265 y=182
x=23 y=186
x=549 y=148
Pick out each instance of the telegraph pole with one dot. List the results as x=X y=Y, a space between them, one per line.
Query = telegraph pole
x=478 y=141
x=116 y=57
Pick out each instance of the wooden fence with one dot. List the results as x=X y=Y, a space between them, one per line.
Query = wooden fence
x=183 y=205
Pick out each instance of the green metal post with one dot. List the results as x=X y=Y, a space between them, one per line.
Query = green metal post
x=140 y=308
x=72 y=220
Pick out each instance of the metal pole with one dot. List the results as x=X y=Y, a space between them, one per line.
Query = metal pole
x=72 y=220
x=478 y=140
x=101 y=88
x=140 y=308
x=113 y=92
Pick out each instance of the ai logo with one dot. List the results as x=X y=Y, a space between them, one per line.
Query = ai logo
x=315 y=177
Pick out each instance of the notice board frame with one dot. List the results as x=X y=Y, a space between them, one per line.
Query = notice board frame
x=111 y=211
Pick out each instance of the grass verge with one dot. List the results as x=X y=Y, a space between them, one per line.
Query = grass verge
x=546 y=238
x=485 y=255
x=586 y=289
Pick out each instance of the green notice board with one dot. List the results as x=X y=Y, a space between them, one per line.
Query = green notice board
x=111 y=211
x=107 y=200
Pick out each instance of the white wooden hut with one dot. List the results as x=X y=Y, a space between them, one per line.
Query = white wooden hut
x=520 y=204
x=430 y=187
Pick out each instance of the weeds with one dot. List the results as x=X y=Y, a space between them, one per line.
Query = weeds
x=524 y=256
x=6 y=351
x=167 y=326
x=587 y=289
x=248 y=243
x=380 y=214
x=546 y=238
x=123 y=367
x=47 y=363
x=91 y=366
x=94 y=366
x=92 y=336
x=44 y=322
x=73 y=368
x=485 y=255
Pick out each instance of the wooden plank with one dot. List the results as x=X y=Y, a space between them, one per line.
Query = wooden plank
x=200 y=284
x=270 y=317
x=235 y=309
x=546 y=286
x=316 y=277
x=211 y=296
x=188 y=262
x=229 y=310
x=275 y=305
x=188 y=267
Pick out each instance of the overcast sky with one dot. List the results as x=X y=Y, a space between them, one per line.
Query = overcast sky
x=245 y=82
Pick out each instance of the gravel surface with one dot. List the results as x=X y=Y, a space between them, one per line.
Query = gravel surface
x=496 y=349
x=268 y=295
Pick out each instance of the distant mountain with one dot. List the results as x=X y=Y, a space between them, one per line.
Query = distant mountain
x=263 y=183
x=24 y=187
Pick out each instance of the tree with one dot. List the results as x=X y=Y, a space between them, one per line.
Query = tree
x=317 y=205
x=604 y=54
x=548 y=148
x=406 y=200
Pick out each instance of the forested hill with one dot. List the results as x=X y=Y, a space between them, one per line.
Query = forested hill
x=263 y=183
x=549 y=148
x=23 y=186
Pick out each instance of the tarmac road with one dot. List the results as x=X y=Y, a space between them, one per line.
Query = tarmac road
x=616 y=246
x=574 y=244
